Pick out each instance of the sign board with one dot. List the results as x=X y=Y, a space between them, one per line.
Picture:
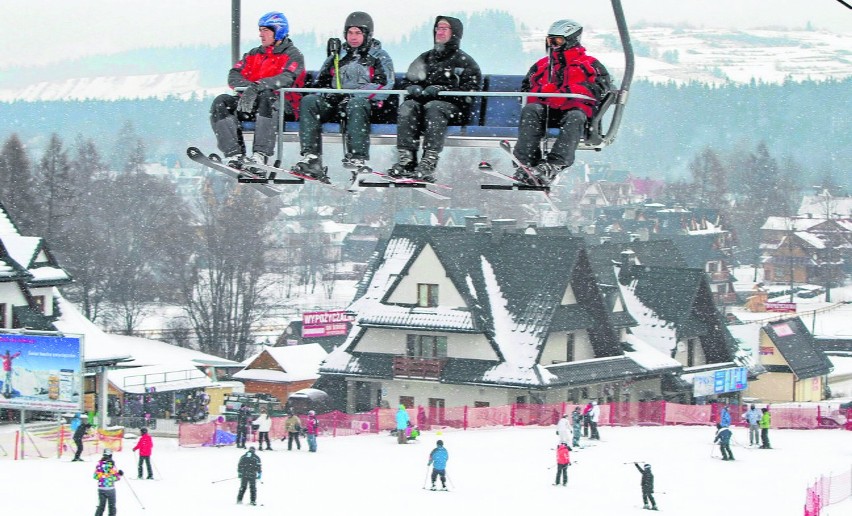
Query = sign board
x=781 y=307
x=721 y=381
x=325 y=324
x=41 y=372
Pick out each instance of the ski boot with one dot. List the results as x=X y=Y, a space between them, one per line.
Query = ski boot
x=546 y=172
x=404 y=167
x=257 y=158
x=425 y=170
x=235 y=161
x=311 y=165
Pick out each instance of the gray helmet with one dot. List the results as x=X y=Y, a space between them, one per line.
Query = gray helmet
x=568 y=29
x=361 y=20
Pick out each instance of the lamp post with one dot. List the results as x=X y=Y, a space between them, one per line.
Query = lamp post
x=235 y=31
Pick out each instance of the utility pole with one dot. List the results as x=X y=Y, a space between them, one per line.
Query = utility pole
x=235 y=31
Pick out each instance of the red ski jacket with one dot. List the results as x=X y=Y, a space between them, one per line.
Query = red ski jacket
x=570 y=71
x=144 y=445
x=277 y=66
x=562 y=456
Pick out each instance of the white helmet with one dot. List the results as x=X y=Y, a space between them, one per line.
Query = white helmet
x=568 y=29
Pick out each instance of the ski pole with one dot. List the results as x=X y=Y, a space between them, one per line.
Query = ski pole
x=426 y=480
x=134 y=494
x=224 y=480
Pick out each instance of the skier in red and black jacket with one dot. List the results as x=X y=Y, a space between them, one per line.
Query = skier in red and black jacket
x=566 y=69
x=276 y=63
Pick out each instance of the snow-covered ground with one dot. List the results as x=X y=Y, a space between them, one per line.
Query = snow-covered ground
x=496 y=471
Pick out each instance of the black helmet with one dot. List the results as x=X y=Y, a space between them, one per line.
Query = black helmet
x=364 y=22
x=569 y=30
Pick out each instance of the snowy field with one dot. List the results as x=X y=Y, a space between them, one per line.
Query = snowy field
x=499 y=471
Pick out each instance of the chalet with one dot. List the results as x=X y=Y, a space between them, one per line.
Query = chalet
x=485 y=316
x=672 y=308
x=281 y=371
x=796 y=369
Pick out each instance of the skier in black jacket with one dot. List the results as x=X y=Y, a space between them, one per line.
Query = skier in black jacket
x=78 y=440
x=647 y=486
x=249 y=471
x=445 y=67
x=243 y=420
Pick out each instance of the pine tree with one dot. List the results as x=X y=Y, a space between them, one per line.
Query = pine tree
x=56 y=195
x=709 y=181
x=17 y=186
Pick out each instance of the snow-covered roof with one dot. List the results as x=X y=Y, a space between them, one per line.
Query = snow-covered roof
x=811 y=239
x=21 y=249
x=296 y=363
x=776 y=223
x=99 y=345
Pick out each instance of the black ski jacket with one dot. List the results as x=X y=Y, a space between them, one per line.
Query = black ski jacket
x=249 y=465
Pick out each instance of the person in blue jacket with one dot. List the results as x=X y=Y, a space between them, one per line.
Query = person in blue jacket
x=723 y=437
x=438 y=460
x=75 y=422
x=726 y=417
x=401 y=424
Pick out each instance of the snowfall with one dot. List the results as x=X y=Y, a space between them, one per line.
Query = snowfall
x=490 y=471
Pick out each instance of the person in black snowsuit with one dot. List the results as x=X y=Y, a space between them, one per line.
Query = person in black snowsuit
x=243 y=420
x=445 y=67
x=361 y=64
x=647 y=486
x=79 y=434
x=248 y=470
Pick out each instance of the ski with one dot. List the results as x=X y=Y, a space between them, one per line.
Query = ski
x=486 y=168
x=506 y=147
x=280 y=176
x=436 y=489
x=393 y=182
x=197 y=156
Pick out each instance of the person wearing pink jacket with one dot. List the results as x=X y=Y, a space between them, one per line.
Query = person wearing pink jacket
x=145 y=446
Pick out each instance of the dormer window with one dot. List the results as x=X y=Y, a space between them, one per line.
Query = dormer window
x=427 y=294
x=426 y=346
x=39 y=302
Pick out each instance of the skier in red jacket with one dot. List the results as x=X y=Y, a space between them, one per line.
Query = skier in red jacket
x=7 y=369
x=563 y=460
x=144 y=446
x=276 y=63
x=565 y=69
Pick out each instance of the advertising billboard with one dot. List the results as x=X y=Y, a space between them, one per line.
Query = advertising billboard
x=721 y=381
x=40 y=372
x=325 y=324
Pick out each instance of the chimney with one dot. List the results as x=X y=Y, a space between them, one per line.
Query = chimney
x=471 y=222
x=500 y=227
x=628 y=260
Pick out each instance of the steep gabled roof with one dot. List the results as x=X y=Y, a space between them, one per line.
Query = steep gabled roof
x=697 y=249
x=796 y=345
x=512 y=286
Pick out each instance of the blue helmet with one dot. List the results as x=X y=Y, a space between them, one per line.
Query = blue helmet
x=277 y=22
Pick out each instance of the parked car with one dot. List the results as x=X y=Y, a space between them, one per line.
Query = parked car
x=300 y=402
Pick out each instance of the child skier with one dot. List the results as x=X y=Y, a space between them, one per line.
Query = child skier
x=438 y=460
x=647 y=487
x=107 y=475
x=248 y=470
x=563 y=460
x=144 y=446
x=723 y=437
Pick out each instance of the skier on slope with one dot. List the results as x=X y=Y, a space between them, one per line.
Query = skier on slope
x=565 y=69
x=438 y=458
x=576 y=422
x=402 y=421
x=723 y=437
x=361 y=64
x=647 y=484
x=249 y=472
x=107 y=475
x=563 y=460
x=563 y=429
x=144 y=446
x=276 y=63
x=444 y=67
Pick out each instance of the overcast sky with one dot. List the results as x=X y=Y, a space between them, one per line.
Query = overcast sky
x=40 y=31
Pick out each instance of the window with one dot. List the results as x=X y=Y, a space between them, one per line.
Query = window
x=569 y=347
x=426 y=346
x=407 y=401
x=691 y=346
x=427 y=294
x=2 y=315
x=481 y=404
x=39 y=302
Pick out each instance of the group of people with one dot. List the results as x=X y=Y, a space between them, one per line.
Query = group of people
x=263 y=425
x=360 y=63
x=757 y=420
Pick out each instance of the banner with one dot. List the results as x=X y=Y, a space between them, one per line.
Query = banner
x=781 y=307
x=40 y=372
x=325 y=324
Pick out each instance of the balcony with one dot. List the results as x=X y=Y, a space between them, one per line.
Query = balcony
x=414 y=367
x=719 y=277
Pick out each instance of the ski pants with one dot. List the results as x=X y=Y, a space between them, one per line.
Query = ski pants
x=562 y=471
x=251 y=483
x=725 y=448
x=429 y=120
x=312 y=442
x=106 y=497
x=263 y=436
x=225 y=121
x=648 y=497
x=241 y=436
x=79 y=444
x=753 y=434
x=595 y=434
x=145 y=459
x=764 y=437
x=576 y=440
x=316 y=110
x=439 y=473
x=293 y=436
x=586 y=421
x=535 y=119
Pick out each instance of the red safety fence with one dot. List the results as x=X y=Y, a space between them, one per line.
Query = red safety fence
x=652 y=413
x=828 y=490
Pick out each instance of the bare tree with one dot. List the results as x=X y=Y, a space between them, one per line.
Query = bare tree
x=17 y=185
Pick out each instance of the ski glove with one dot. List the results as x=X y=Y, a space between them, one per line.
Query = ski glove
x=414 y=90
x=258 y=476
x=432 y=91
x=120 y=473
x=248 y=100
